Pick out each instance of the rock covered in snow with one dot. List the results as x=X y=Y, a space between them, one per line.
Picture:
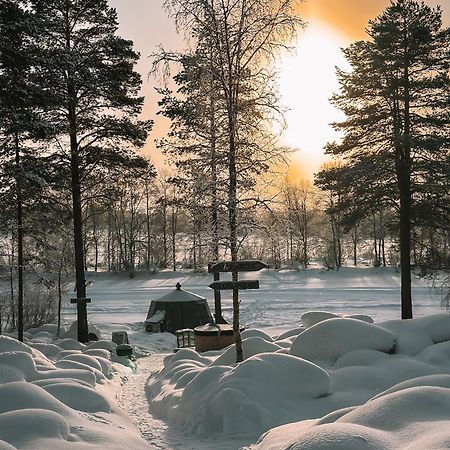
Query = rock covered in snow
x=311 y=318
x=412 y=417
x=254 y=332
x=241 y=400
x=72 y=332
x=250 y=346
x=330 y=339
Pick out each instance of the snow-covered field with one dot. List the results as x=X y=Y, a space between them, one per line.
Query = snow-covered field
x=283 y=295
x=309 y=380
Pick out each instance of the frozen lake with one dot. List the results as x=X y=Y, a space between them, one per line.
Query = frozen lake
x=278 y=304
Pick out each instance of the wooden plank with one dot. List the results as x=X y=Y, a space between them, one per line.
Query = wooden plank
x=231 y=285
x=251 y=265
x=80 y=300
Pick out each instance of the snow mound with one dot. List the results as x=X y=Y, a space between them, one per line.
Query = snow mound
x=227 y=400
x=290 y=333
x=49 y=350
x=8 y=344
x=46 y=406
x=413 y=417
x=311 y=318
x=70 y=344
x=413 y=336
x=330 y=339
x=251 y=346
x=78 y=397
x=101 y=345
x=72 y=332
x=39 y=423
x=254 y=332
x=22 y=395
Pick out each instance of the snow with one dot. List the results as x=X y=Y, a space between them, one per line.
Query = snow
x=326 y=365
x=61 y=401
x=332 y=338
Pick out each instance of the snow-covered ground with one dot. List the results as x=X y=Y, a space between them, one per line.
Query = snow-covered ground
x=283 y=295
x=310 y=380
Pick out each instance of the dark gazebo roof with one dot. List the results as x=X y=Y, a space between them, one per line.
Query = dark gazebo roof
x=180 y=295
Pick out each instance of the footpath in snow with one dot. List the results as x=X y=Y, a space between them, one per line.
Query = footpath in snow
x=157 y=433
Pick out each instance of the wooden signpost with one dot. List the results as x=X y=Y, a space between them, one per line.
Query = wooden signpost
x=82 y=321
x=252 y=265
x=235 y=285
x=230 y=285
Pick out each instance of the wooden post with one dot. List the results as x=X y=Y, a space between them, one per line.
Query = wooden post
x=82 y=321
x=218 y=302
x=235 y=285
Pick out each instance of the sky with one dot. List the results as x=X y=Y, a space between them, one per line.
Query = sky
x=307 y=77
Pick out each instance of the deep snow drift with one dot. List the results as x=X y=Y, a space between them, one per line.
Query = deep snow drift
x=317 y=377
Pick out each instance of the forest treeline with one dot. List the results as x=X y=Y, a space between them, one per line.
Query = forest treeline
x=77 y=194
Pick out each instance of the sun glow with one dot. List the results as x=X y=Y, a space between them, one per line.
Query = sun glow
x=307 y=81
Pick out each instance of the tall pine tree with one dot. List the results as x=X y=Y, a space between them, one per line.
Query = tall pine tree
x=88 y=70
x=21 y=106
x=396 y=101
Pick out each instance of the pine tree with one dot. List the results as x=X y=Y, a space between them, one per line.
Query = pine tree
x=21 y=106
x=88 y=71
x=396 y=101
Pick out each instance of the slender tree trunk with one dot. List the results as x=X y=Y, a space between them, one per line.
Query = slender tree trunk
x=174 y=235
x=59 y=301
x=214 y=199
x=147 y=223
x=232 y=219
x=403 y=169
x=164 y=229
x=194 y=248
x=80 y=282
x=375 y=243
x=405 y=242
x=11 y=283
x=19 y=240
x=95 y=237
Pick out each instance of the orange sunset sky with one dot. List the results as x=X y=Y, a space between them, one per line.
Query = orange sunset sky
x=307 y=77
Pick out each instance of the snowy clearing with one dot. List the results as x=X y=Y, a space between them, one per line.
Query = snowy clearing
x=313 y=380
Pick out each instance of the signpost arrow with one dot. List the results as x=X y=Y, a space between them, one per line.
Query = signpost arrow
x=231 y=285
x=251 y=265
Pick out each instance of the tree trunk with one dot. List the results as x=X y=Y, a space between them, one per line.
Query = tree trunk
x=164 y=229
x=147 y=223
x=405 y=243
x=232 y=210
x=174 y=234
x=59 y=302
x=19 y=240
x=403 y=169
x=80 y=283
x=375 y=243
x=11 y=284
